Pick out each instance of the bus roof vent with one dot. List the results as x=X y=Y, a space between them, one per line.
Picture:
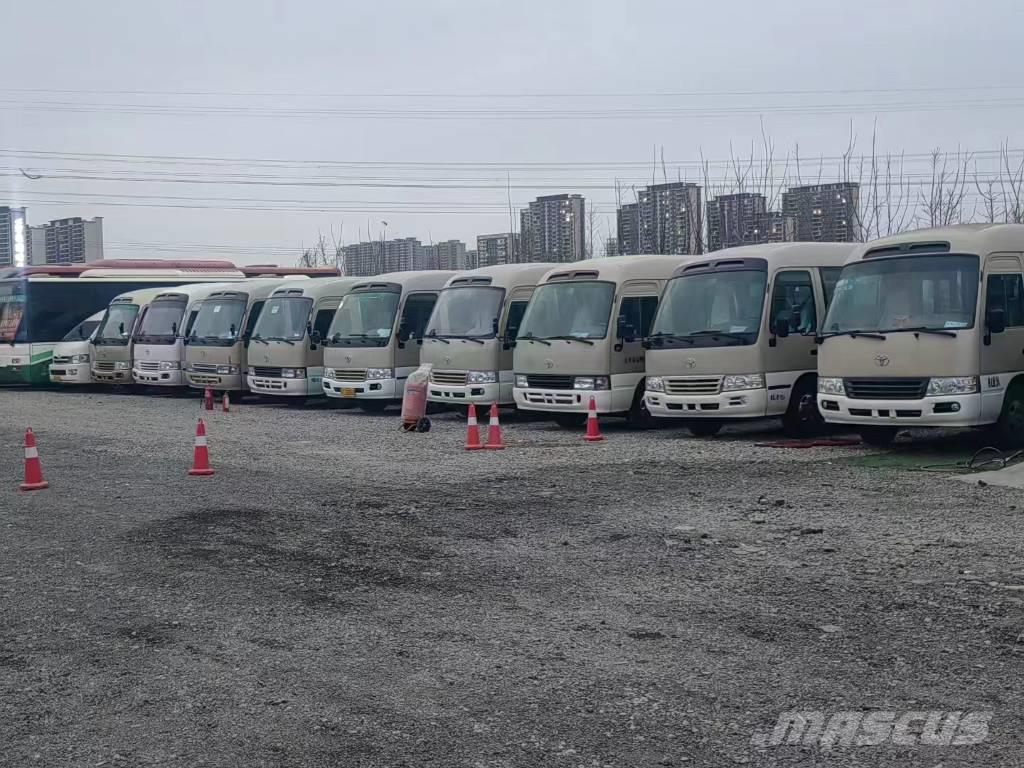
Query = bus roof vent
x=293 y=292
x=471 y=281
x=904 y=249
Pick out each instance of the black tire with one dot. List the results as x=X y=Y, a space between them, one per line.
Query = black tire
x=802 y=418
x=704 y=427
x=423 y=425
x=1008 y=431
x=638 y=417
x=880 y=437
x=373 y=406
x=570 y=420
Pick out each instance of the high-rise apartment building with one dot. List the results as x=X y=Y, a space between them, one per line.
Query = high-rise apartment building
x=670 y=219
x=552 y=229
x=733 y=219
x=68 y=241
x=824 y=212
x=15 y=240
x=452 y=254
x=500 y=248
x=628 y=228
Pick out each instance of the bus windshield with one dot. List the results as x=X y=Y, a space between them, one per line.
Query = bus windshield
x=82 y=331
x=906 y=292
x=466 y=312
x=364 y=319
x=116 y=326
x=12 y=310
x=712 y=309
x=284 y=318
x=219 y=322
x=575 y=309
x=162 y=322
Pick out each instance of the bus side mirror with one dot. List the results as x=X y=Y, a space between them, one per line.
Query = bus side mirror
x=315 y=338
x=996 y=320
x=494 y=326
x=646 y=343
x=625 y=330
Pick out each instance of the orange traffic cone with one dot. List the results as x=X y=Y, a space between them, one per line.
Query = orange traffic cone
x=593 y=431
x=33 y=469
x=208 y=399
x=201 y=456
x=494 y=442
x=472 y=431
x=225 y=403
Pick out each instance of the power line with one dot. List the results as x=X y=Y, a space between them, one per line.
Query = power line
x=516 y=115
x=528 y=95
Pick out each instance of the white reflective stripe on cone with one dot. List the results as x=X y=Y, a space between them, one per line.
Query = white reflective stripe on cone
x=494 y=421
x=472 y=421
x=201 y=440
x=31 y=453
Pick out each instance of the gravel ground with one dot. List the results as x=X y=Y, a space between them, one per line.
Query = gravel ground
x=343 y=594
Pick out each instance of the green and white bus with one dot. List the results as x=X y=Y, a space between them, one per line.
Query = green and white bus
x=40 y=304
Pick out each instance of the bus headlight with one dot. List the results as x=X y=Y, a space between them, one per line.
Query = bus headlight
x=831 y=385
x=379 y=373
x=590 y=382
x=121 y=365
x=78 y=359
x=482 y=377
x=250 y=371
x=737 y=381
x=293 y=373
x=655 y=384
x=170 y=365
x=953 y=385
x=328 y=373
x=521 y=381
x=227 y=370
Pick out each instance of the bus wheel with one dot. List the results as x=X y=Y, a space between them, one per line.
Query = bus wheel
x=373 y=406
x=638 y=417
x=802 y=418
x=1009 y=429
x=880 y=437
x=704 y=427
x=570 y=420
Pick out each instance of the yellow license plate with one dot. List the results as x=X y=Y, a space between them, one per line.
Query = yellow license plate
x=348 y=392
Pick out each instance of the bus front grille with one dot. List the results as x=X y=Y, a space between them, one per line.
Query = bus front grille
x=204 y=367
x=886 y=389
x=456 y=378
x=147 y=365
x=701 y=386
x=104 y=365
x=350 y=374
x=548 y=381
x=270 y=373
x=61 y=360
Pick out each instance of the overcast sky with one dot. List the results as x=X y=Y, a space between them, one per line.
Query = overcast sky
x=392 y=86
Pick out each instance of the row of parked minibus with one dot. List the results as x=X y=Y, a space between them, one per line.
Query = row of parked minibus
x=921 y=329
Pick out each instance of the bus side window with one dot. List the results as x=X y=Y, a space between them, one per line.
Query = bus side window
x=254 y=315
x=793 y=298
x=516 y=310
x=636 y=313
x=1006 y=292
x=322 y=321
x=829 y=278
x=416 y=313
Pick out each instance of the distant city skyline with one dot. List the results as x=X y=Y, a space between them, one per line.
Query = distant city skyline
x=242 y=131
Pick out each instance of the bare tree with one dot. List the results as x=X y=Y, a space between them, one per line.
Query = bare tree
x=1011 y=181
x=941 y=199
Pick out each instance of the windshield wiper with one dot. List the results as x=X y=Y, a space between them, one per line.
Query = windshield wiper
x=855 y=335
x=723 y=334
x=433 y=335
x=259 y=338
x=583 y=339
x=464 y=337
x=673 y=336
x=531 y=337
x=922 y=329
